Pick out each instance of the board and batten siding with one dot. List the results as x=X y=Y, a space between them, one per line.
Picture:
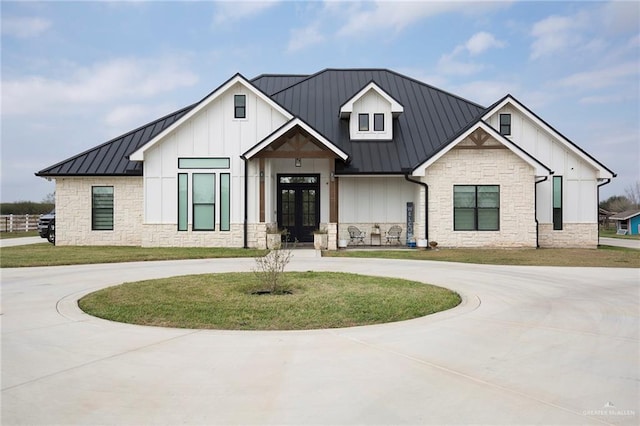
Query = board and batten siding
x=373 y=199
x=212 y=132
x=579 y=178
x=371 y=103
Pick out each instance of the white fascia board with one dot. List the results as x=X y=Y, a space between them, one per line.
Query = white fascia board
x=540 y=168
x=347 y=108
x=138 y=155
x=284 y=129
x=603 y=172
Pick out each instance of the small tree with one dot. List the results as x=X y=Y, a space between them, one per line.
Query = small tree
x=633 y=194
x=269 y=270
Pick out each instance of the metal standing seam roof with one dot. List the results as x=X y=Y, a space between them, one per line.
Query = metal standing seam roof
x=431 y=118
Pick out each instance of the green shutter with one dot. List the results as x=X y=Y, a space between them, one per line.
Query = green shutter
x=102 y=208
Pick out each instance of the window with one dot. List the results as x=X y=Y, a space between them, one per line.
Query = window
x=183 y=201
x=204 y=205
x=476 y=207
x=557 y=203
x=363 y=122
x=240 y=106
x=378 y=122
x=225 y=201
x=505 y=124
x=102 y=208
x=203 y=163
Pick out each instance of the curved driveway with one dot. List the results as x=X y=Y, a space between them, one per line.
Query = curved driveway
x=528 y=345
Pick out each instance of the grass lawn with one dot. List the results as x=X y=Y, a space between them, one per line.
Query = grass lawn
x=49 y=255
x=604 y=256
x=611 y=233
x=19 y=234
x=225 y=301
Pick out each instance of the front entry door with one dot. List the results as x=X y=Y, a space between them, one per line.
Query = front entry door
x=299 y=206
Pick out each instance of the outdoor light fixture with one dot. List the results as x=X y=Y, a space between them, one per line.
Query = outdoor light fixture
x=298 y=162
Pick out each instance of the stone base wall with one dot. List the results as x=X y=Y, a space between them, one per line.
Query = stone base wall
x=167 y=235
x=572 y=235
x=483 y=167
x=73 y=212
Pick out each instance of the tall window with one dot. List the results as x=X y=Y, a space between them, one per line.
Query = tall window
x=557 y=203
x=205 y=205
x=204 y=201
x=363 y=122
x=225 y=201
x=102 y=208
x=183 y=201
x=378 y=122
x=240 y=106
x=476 y=207
x=505 y=124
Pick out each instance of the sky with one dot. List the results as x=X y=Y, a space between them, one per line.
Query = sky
x=76 y=74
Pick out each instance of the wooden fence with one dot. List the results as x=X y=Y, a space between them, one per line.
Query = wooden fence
x=19 y=222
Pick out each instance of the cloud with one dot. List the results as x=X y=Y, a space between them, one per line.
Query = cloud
x=380 y=16
x=602 y=78
x=304 y=37
x=231 y=11
x=451 y=63
x=21 y=27
x=116 y=80
x=481 y=42
x=555 y=34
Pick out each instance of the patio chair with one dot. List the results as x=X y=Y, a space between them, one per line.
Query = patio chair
x=393 y=234
x=356 y=235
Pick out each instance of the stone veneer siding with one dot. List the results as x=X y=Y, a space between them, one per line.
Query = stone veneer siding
x=572 y=235
x=73 y=211
x=482 y=167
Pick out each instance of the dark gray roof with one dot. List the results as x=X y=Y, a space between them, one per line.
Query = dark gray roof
x=111 y=158
x=431 y=118
x=272 y=83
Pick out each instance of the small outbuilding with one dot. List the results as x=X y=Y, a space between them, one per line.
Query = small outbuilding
x=627 y=222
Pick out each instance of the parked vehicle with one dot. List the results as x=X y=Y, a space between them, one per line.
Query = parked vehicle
x=51 y=232
x=43 y=223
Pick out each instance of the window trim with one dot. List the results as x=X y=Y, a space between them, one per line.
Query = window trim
x=237 y=109
x=476 y=210
x=94 y=210
x=505 y=128
x=557 y=214
x=378 y=115
x=360 y=124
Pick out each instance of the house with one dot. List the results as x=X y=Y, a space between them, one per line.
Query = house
x=339 y=148
x=627 y=222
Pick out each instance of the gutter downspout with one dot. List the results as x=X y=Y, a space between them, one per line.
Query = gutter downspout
x=535 y=208
x=426 y=204
x=598 y=205
x=246 y=200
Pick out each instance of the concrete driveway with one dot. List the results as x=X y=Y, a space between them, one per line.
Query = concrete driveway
x=529 y=345
x=620 y=242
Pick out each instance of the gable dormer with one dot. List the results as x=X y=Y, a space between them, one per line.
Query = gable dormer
x=370 y=113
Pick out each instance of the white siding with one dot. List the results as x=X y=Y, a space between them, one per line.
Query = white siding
x=375 y=199
x=579 y=177
x=212 y=132
x=371 y=103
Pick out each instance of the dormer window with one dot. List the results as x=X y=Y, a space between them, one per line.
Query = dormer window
x=378 y=122
x=239 y=106
x=363 y=122
x=505 y=124
x=371 y=112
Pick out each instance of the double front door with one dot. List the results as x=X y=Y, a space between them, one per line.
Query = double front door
x=299 y=206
